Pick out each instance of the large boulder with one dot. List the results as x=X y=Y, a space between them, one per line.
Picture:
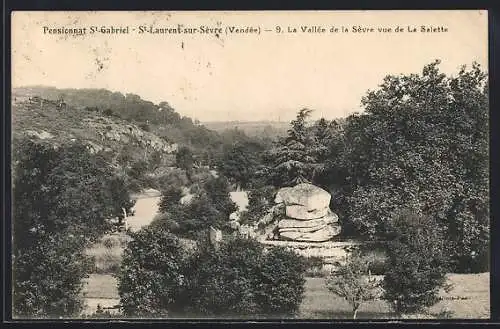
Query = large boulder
x=321 y=235
x=302 y=212
x=307 y=195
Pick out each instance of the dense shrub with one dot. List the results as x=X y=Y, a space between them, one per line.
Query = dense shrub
x=170 y=197
x=417 y=263
x=152 y=274
x=48 y=278
x=260 y=200
x=239 y=279
x=162 y=277
x=218 y=191
x=223 y=281
x=184 y=159
x=281 y=286
x=174 y=177
x=240 y=162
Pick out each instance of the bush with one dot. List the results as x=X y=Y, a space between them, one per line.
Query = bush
x=218 y=191
x=281 y=289
x=48 y=278
x=417 y=263
x=173 y=178
x=260 y=201
x=161 y=276
x=240 y=279
x=151 y=275
x=170 y=197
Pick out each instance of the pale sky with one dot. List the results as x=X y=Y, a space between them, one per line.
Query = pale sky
x=246 y=77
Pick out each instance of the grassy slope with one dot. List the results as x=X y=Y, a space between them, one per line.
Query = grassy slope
x=469 y=298
x=72 y=123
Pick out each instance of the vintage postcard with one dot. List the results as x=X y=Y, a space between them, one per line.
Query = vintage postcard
x=250 y=165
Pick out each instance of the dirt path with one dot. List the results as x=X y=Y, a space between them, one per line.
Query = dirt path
x=145 y=210
x=101 y=288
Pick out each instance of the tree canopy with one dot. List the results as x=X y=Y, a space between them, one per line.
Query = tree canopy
x=422 y=141
x=64 y=199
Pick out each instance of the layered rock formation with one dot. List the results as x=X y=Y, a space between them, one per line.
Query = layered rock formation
x=307 y=216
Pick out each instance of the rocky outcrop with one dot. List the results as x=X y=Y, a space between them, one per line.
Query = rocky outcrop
x=39 y=134
x=109 y=130
x=307 y=215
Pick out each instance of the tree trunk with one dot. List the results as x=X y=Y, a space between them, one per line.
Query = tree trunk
x=355 y=314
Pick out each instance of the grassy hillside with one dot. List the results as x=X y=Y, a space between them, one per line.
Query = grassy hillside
x=44 y=119
x=108 y=108
x=160 y=119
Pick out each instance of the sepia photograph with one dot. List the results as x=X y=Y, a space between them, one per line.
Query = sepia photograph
x=250 y=165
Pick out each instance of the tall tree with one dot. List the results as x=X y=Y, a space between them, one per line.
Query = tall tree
x=293 y=160
x=63 y=200
x=184 y=160
x=417 y=263
x=241 y=161
x=423 y=141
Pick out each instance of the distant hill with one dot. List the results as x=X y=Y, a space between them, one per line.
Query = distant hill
x=264 y=129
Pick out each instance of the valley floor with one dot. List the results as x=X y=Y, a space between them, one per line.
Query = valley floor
x=469 y=299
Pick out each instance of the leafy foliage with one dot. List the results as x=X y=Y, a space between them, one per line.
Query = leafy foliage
x=63 y=200
x=161 y=277
x=151 y=275
x=184 y=159
x=260 y=200
x=422 y=142
x=47 y=277
x=353 y=282
x=241 y=161
x=240 y=279
x=281 y=283
x=292 y=160
x=170 y=197
x=218 y=191
x=417 y=263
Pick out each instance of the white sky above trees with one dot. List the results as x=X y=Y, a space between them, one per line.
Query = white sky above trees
x=243 y=77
